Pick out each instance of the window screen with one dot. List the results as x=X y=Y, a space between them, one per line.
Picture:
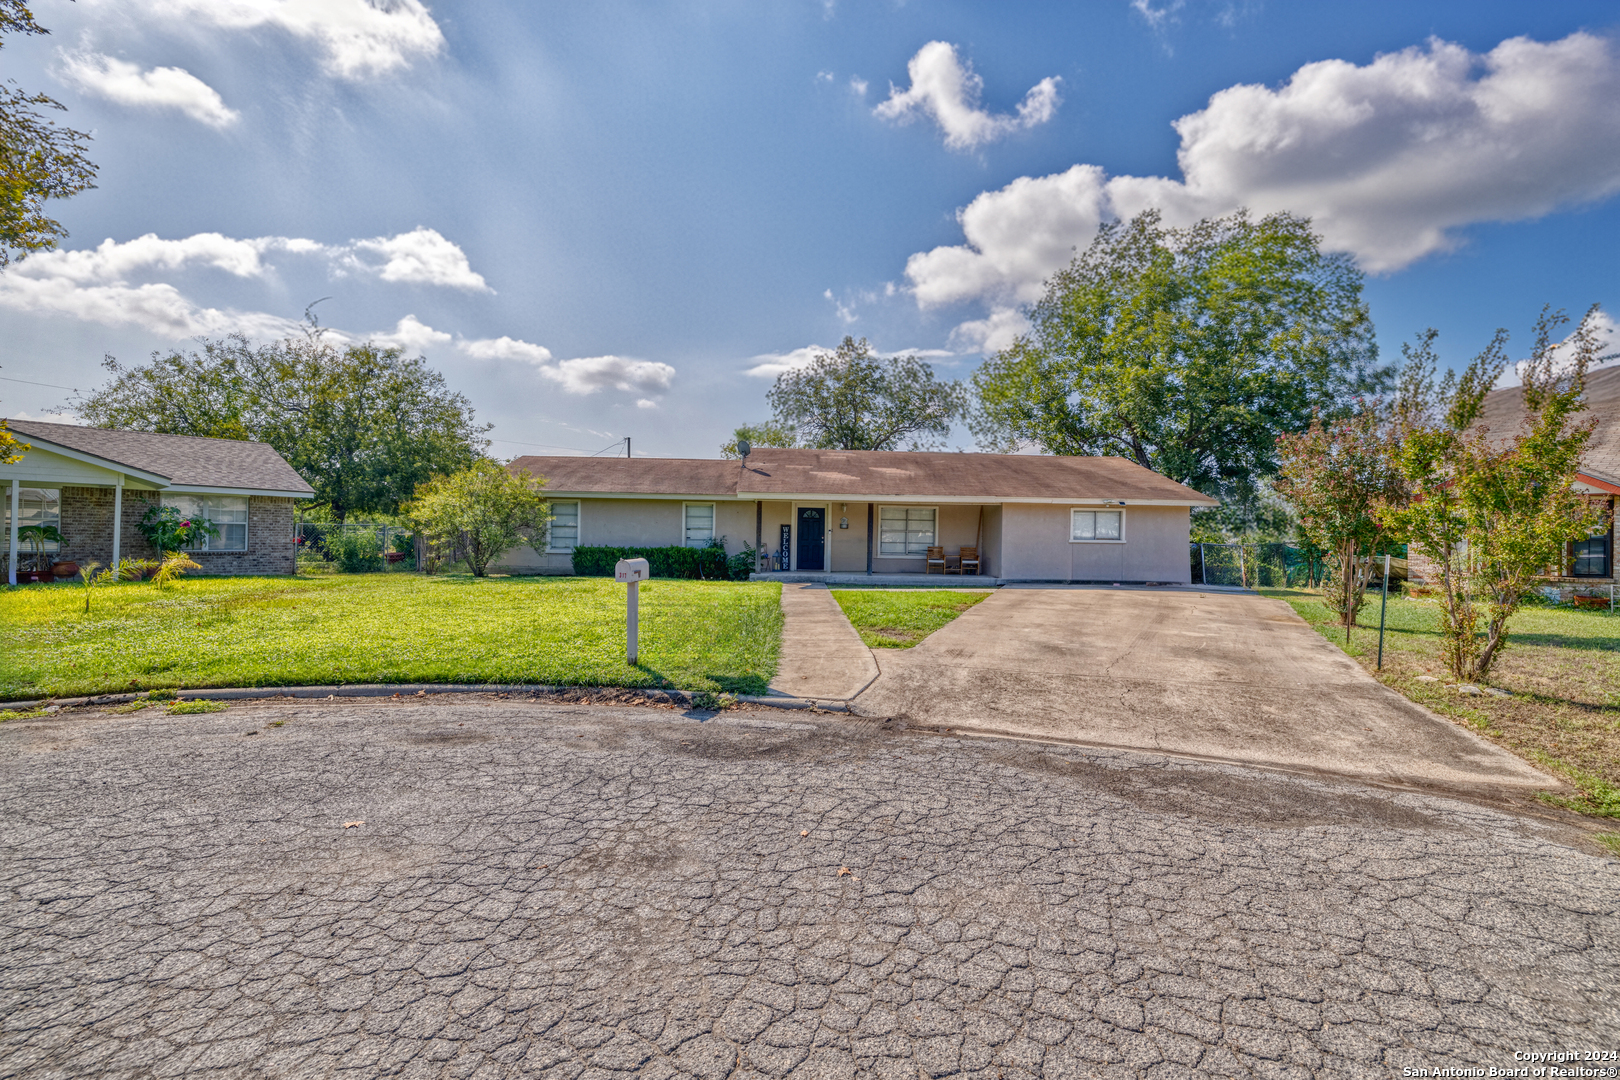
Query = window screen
x=1095 y=524
x=1592 y=557
x=699 y=524
x=906 y=530
x=564 y=526
x=227 y=513
x=35 y=506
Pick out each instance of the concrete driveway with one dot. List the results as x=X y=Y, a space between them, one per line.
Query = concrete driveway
x=1226 y=675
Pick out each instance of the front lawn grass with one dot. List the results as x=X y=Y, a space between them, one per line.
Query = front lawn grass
x=384 y=628
x=1562 y=667
x=898 y=619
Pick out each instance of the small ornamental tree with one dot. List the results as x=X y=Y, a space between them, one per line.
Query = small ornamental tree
x=481 y=513
x=1340 y=478
x=1493 y=510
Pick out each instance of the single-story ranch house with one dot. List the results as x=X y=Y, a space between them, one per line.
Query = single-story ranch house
x=76 y=479
x=1032 y=518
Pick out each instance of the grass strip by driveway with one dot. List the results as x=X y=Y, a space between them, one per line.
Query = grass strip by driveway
x=1561 y=668
x=898 y=619
x=385 y=628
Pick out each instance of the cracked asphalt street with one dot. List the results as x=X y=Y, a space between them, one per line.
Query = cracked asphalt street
x=603 y=891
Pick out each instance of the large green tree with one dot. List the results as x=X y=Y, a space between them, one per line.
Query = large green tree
x=38 y=159
x=364 y=425
x=853 y=400
x=480 y=513
x=768 y=433
x=1187 y=351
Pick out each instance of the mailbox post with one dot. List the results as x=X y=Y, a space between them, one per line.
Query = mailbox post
x=632 y=572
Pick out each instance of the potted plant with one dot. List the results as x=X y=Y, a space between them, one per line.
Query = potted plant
x=38 y=536
x=167 y=531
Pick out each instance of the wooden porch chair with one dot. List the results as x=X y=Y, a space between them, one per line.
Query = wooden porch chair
x=936 y=557
x=969 y=557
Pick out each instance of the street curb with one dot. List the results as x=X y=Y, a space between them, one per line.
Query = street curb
x=374 y=690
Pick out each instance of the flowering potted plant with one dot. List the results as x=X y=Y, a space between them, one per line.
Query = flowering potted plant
x=166 y=530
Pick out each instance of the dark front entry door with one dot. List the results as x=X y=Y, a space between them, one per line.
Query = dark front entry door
x=812 y=538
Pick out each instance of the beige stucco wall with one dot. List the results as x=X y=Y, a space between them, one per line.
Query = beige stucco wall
x=1035 y=546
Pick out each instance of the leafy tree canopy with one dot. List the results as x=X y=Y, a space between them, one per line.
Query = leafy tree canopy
x=769 y=433
x=852 y=400
x=1187 y=351
x=480 y=513
x=38 y=160
x=363 y=425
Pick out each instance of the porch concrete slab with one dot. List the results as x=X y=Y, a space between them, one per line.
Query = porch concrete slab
x=1218 y=674
x=823 y=658
x=937 y=581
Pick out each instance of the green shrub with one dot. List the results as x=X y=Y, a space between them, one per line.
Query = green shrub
x=356 y=551
x=708 y=564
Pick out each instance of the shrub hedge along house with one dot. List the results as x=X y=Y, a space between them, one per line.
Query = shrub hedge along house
x=94 y=485
x=837 y=512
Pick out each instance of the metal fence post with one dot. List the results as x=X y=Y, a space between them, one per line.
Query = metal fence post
x=1203 y=567
x=1243 y=567
x=1382 y=606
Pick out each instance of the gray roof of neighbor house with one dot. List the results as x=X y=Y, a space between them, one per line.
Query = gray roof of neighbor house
x=1504 y=412
x=183 y=460
x=860 y=474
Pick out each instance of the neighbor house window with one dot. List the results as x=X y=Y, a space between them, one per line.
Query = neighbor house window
x=906 y=530
x=227 y=513
x=699 y=524
x=35 y=506
x=564 y=535
x=1096 y=524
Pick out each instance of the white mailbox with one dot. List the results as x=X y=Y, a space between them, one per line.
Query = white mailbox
x=630 y=570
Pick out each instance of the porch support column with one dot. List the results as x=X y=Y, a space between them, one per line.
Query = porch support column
x=118 y=521
x=868 y=539
x=11 y=532
x=759 y=530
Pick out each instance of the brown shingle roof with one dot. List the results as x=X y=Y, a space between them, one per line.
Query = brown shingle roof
x=859 y=473
x=185 y=460
x=1503 y=413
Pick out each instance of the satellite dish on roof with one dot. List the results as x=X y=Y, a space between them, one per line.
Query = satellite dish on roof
x=743 y=448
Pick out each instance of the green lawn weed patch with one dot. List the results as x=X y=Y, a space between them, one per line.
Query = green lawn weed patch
x=899 y=619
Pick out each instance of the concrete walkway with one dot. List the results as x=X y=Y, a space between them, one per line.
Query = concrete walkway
x=823 y=658
x=1226 y=675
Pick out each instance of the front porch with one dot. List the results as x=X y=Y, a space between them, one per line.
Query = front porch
x=891 y=581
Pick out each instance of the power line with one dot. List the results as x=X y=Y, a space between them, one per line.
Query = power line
x=544 y=446
x=31 y=382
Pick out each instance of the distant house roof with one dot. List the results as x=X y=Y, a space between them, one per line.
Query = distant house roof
x=1504 y=411
x=866 y=474
x=184 y=461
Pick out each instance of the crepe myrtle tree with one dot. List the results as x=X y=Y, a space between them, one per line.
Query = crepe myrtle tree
x=480 y=513
x=850 y=399
x=1340 y=477
x=1493 y=510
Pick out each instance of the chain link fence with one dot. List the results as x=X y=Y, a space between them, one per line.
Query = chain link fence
x=1253 y=566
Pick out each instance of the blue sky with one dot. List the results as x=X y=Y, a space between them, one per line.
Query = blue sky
x=611 y=219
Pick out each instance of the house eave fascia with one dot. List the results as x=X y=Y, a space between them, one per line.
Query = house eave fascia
x=201 y=489
x=1597 y=482
x=821 y=496
x=99 y=462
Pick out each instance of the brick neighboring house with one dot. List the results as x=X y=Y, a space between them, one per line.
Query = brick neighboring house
x=1591 y=561
x=94 y=484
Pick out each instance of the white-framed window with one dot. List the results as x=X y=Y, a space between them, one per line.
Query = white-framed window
x=564 y=534
x=907 y=530
x=1096 y=526
x=227 y=513
x=35 y=506
x=699 y=524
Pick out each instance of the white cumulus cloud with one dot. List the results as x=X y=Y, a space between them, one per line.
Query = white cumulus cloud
x=506 y=348
x=357 y=39
x=160 y=88
x=104 y=284
x=588 y=374
x=411 y=335
x=946 y=90
x=770 y=365
x=1389 y=159
x=421 y=257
